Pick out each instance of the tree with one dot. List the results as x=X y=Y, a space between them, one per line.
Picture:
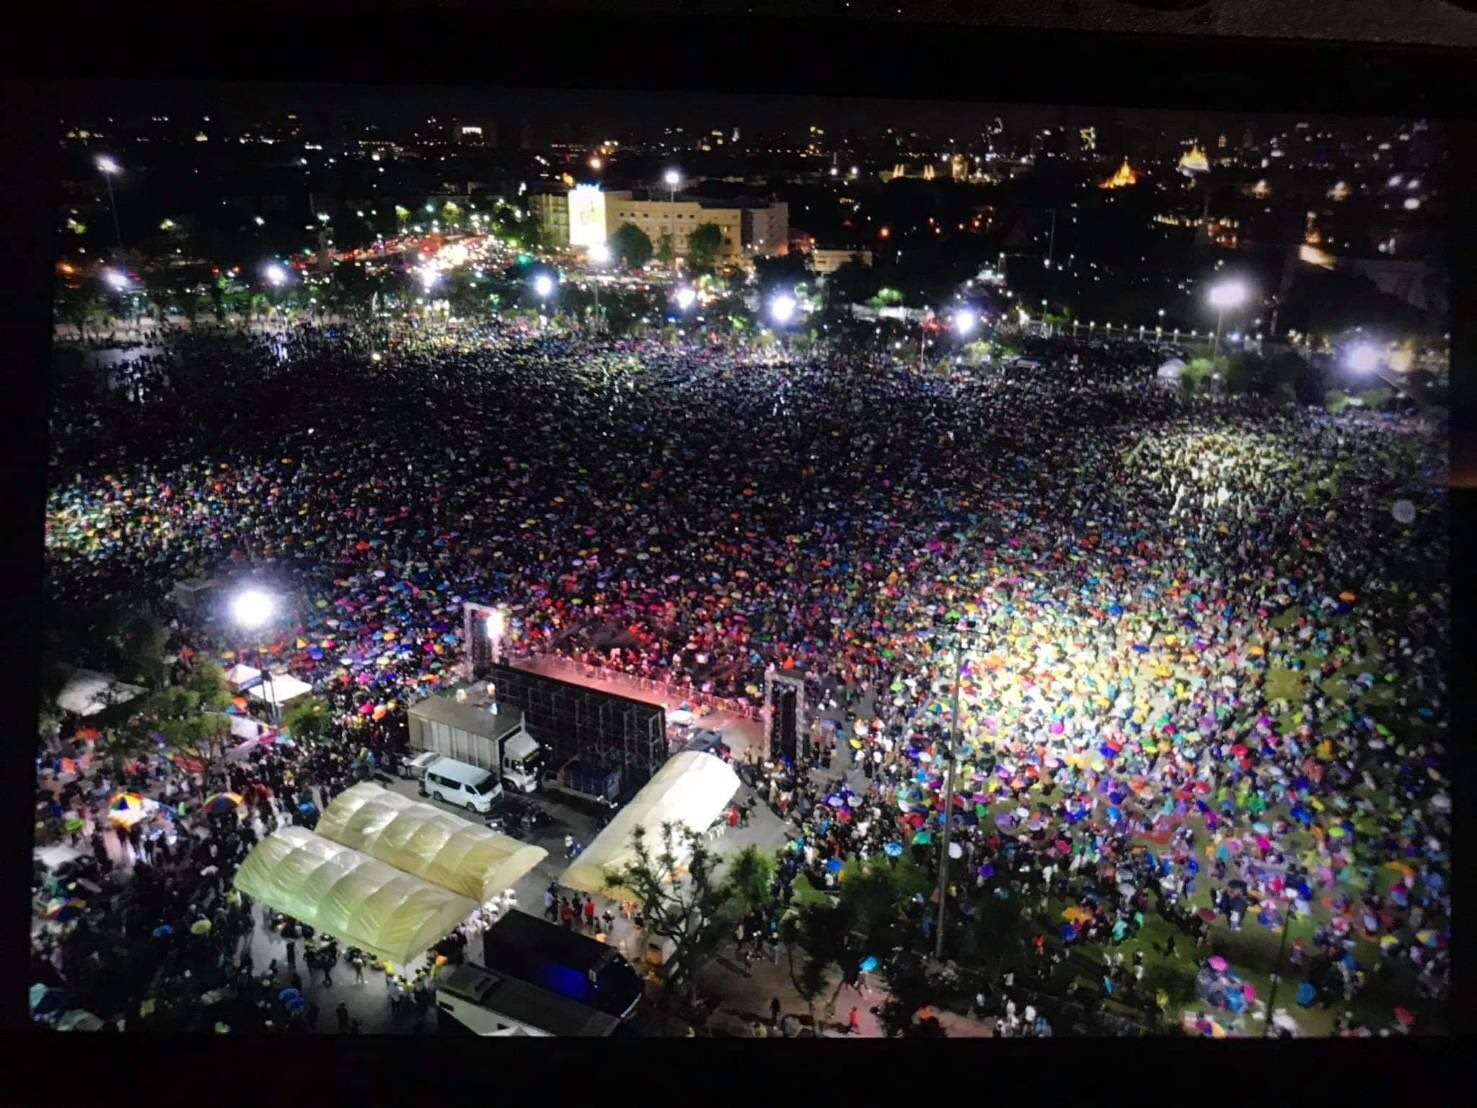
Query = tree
x=780 y=271
x=141 y=643
x=402 y=218
x=852 y=283
x=631 y=245
x=451 y=215
x=308 y=719
x=703 y=246
x=750 y=878
x=910 y=988
x=666 y=252
x=686 y=910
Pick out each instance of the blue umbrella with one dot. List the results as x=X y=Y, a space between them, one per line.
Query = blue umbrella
x=288 y=994
x=162 y=930
x=833 y=865
x=305 y=806
x=868 y=964
x=892 y=850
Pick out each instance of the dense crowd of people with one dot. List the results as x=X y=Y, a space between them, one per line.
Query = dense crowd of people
x=1200 y=653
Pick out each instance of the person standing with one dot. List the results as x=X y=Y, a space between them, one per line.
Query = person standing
x=774 y=1012
x=854 y=1021
x=589 y=911
x=342 y=1012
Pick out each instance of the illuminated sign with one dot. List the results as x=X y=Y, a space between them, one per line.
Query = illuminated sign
x=586 y=216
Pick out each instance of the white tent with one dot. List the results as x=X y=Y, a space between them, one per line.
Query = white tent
x=427 y=842
x=240 y=674
x=279 y=689
x=88 y=692
x=351 y=896
x=1171 y=370
x=692 y=788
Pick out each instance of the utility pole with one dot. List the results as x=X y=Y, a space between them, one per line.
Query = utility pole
x=1051 y=242
x=950 y=749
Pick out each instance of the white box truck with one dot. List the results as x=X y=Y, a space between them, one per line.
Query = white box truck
x=471 y=732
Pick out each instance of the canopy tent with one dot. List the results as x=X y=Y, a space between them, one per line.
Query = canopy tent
x=1172 y=370
x=88 y=692
x=349 y=895
x=692 y=789
x=279 y=688
x=427 y=842
x=240 y=675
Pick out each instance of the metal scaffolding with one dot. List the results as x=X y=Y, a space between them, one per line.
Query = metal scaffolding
x=591 y=724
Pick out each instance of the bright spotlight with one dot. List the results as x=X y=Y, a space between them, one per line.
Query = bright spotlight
x=497 y=622
x=965 y=322
x=782 y=308
x=543 y=284
x=428 y=277
x=600 y=253
x=108 y=165
x=673 y=178
x=1228 y=294
x=115 y=279
x=252 y=608
x=686 y=298
x=1364 y=358
x=275 y=274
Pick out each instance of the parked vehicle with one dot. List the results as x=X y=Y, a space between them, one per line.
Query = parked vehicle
x=469 y=787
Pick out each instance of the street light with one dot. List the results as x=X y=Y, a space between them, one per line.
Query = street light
x=275 y=274
x=252 y=609
x=115 y=279
x=782 y=308
x=1364 y=358
x=497 y=626
x=673 y=179
x=1227 y=294
x=686 y=298
x=599 y=255
x=543 y=284
x=109 y=169
x=965 y=322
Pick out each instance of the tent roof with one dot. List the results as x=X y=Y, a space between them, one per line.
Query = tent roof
x=424 y=841
x=692 y=788
x=86 y=692
x=349 y=895
x=280 y=688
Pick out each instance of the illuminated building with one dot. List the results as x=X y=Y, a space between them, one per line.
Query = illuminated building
x=1193 y=161
x=1125 y=177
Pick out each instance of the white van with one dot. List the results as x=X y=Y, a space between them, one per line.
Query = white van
x=466 y=786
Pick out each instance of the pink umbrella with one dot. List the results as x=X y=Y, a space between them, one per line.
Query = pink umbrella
x=1217 y=963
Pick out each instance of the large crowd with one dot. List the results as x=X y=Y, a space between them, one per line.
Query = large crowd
x=1200 y=653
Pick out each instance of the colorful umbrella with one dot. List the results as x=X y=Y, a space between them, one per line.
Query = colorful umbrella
x=222 y=803
x=1217 y=963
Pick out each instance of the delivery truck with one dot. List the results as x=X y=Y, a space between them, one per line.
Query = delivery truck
x=481 y=733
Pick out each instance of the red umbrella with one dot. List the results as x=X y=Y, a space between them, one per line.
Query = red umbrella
x=1207 y=914
x=1406 y=1018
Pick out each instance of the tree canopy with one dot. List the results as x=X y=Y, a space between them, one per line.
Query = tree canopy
x=703 y=246
x=631 y=245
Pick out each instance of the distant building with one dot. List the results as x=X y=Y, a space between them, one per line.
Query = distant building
x=1125 y=177
x=552 y=209
x=469 y=134
x=586 y=215
x=829 y=261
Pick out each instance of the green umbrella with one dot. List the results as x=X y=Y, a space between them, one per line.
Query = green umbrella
x=923 y=837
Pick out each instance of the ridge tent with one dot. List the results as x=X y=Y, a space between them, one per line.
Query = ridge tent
x=355 y=898
x=692 y=788
x=426 y=842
